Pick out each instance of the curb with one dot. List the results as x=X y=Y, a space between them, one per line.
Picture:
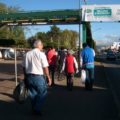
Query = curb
x=115 y=98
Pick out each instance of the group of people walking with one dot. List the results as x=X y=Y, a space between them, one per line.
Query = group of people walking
x=37 y=65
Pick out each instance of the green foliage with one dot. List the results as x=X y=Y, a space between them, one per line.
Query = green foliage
x=53 y=36
x=13 y=34
x=17 y=34
x=10 y=42
x=30 y=41
x=57 y=38
x=3 y=8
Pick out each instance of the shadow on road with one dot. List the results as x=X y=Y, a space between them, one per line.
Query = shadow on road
x=62 y=104
x=9 y=68
x=65 y=105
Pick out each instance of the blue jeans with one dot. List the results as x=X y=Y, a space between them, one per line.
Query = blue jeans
x=89 y=78
x=37 y=90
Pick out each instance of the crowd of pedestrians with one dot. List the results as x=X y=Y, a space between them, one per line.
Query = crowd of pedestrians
x=39 y=69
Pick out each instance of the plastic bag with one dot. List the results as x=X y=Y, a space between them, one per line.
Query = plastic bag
x=83 y=76
x=20 y=93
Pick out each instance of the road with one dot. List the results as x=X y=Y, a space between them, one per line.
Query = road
x=60 y=103
x=112 y=70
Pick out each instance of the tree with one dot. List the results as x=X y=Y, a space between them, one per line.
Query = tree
x=15 y=33
x=53 y=35
x=42 y=36
x=10 y=42
x=74 y=38
x=3 y=8
x=69 y=39
x=30 y=41
x=57 y=38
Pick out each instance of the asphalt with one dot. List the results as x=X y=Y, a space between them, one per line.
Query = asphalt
x=60 y=103
x=113 y=83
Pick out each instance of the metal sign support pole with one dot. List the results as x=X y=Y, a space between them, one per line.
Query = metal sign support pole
x=16 y=67
x=84 y=33
x=79 y=37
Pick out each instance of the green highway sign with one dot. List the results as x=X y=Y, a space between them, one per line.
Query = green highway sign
x=102 y=12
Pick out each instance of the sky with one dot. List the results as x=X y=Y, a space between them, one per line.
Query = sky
x=103 y=33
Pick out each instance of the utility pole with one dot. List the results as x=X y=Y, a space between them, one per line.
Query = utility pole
x=79 y=26
x=79 y=36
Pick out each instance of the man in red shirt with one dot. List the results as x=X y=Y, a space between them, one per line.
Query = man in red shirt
x=70 y=66
x=52 y=57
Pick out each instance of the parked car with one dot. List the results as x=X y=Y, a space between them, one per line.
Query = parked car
x=0 y=55
x=111 y=55
x=118 y=55
x=9 y=53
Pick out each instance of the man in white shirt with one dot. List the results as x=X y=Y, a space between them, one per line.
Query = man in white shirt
x=35 y=65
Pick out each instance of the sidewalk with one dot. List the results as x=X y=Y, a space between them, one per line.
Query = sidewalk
x=62 y=104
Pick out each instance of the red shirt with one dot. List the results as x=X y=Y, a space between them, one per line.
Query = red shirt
x=51 y=56
x=70 y=64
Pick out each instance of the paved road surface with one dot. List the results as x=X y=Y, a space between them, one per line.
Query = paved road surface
x=60 y=103
x=112 y=70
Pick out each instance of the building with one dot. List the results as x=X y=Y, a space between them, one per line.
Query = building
x=115 y=46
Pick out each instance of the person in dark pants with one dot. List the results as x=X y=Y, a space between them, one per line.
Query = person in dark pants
x=70 y=77
x=52 y=57
x=70 y=66
x=87 y=63
x=61 y=55
x=35 y=64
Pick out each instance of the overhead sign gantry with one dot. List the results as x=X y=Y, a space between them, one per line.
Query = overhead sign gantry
x=101 y=13
x=41 y=17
